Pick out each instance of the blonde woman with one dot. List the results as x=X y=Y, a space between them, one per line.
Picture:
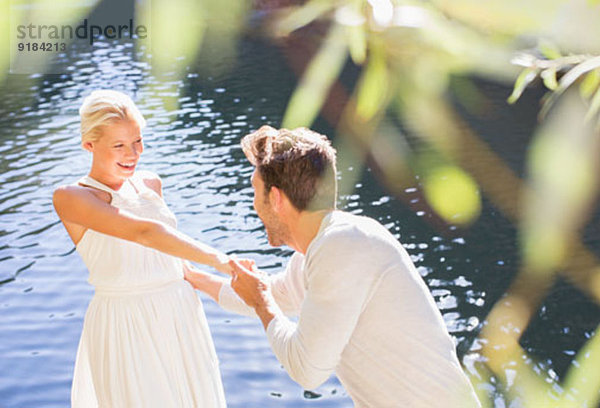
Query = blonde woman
x=145 y=340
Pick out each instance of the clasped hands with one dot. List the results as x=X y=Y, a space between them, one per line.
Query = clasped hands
x=250 y=284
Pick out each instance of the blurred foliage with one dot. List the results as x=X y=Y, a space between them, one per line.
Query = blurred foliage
x=400 y=117
x=409 y=51
x=306 y=102
x=4 y=39
x=51 y=13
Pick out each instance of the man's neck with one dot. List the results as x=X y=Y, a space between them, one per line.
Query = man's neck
x=304 y=228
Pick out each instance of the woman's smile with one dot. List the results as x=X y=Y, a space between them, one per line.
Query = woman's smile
x=127 y=165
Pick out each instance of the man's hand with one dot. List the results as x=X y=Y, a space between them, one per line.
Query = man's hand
x=249 y=283
x=254 y=288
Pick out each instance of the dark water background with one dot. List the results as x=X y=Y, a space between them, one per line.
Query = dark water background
x=195 y=149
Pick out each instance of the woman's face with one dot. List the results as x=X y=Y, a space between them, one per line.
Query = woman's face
x=118 y=149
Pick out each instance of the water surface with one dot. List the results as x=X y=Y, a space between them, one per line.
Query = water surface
x=194 y=147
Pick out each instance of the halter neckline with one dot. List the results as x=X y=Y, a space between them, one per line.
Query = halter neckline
x=88 y=180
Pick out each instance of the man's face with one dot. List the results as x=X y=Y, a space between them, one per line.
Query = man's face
x=277 y=230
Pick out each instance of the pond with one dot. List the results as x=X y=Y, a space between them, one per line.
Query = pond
x=194 y=147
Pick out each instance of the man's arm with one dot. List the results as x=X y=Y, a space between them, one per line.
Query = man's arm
x=287 y=288
x=339 y=284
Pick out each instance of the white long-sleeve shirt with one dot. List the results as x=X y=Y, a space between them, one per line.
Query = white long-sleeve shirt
x=365 y=313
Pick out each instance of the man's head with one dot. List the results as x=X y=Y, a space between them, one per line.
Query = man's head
x=297 y=166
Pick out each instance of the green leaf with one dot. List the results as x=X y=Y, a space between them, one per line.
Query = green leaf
x=582 y=381
x=594 y=107
x=590 y=83
x=357 y=43
x=372 y=92
x=513 y=17
x=452 y=193
x=524 y=79
x=549 y=50
x=322 y=71
x=577 y=71
x=569 y=78
x=549 y=77
x=301 y=16
x=177 y=32
x=352 y=15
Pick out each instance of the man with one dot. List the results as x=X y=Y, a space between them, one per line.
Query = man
x=364 y=311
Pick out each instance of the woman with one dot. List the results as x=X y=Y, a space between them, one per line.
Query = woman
x=145 y=340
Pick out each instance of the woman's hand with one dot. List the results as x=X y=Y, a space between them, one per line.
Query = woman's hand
x=203 y=281
x=223 y=263
x=189 y=272
x=209 y=283
x=247 y=263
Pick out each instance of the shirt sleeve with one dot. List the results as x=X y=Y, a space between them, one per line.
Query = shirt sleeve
x=339 y=283
x=287 y=289
x=229 y=300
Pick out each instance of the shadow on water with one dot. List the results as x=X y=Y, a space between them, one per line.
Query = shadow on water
x=195 y=149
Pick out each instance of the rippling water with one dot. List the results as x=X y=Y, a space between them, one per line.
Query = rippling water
x=194 y=147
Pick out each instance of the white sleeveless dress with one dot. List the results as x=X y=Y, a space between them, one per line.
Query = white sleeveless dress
x=145 y=340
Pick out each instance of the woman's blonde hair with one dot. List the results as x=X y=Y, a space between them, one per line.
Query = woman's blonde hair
x=103 y=107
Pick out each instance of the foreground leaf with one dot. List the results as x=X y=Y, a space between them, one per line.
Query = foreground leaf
x=525 y=78
x=321 y=73
x=373 y=87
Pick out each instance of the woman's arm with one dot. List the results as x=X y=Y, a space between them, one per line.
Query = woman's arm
x=203 y=281
x=78 y=205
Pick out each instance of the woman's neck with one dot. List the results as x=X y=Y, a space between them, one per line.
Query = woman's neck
x=114 y=183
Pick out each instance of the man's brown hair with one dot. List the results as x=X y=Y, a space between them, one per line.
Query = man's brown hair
x=300 y=162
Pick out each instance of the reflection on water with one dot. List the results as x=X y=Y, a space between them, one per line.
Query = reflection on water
x=195 y=149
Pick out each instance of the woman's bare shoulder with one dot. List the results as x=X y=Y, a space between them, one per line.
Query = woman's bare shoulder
x=69 y=192
x=151 y=180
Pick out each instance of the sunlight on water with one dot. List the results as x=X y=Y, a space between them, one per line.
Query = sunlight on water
x=194 y=147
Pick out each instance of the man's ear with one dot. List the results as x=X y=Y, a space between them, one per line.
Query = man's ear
x=276 y=198
x=280 y=202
